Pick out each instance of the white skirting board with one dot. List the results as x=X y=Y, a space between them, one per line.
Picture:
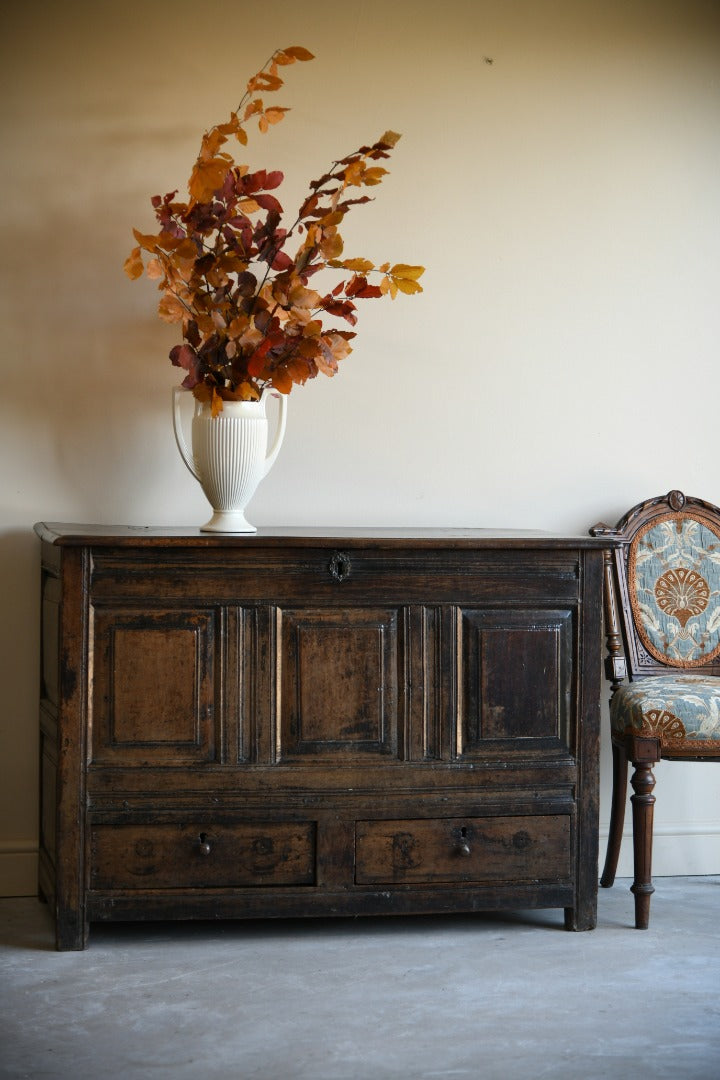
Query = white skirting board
x=679 y=849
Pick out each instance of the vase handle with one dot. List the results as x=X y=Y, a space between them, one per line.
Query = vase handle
x=179 y=435
x=279 y=433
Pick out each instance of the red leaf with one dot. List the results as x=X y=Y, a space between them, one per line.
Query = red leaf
x=282 y=261
x=268 y=202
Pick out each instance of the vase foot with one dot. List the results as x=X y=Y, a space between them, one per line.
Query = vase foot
x=228 y=522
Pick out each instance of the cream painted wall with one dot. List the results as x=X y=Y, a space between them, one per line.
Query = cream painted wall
x=560 y=365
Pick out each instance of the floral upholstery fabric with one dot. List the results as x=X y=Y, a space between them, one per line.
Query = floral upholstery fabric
x=674 y=586
x=680 y=709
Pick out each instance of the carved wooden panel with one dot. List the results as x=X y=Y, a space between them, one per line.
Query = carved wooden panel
x=339 y=690
x=516 y=679
x=154 y=686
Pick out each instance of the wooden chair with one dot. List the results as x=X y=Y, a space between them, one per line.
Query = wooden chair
x=662 y=614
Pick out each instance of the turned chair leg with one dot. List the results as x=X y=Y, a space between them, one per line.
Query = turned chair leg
x=617 y=815
x=643 y=802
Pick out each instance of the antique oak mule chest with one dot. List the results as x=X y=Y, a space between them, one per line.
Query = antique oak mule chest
x=317 y=722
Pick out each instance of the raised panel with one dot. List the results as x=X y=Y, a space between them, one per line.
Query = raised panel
x=339 y=692
x=515 y=680
x=154 y=687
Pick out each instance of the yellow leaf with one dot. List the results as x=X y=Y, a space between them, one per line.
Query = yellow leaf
x=133 y=265
x=405 y=285
x=387 y=285
x=374 y=175
x=248 y=206
x=409 y=273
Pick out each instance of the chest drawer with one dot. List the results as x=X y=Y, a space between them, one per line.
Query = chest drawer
x=472 y=849
x=193 y=855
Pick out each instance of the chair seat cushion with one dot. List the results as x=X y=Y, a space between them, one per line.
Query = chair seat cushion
x=683 y=711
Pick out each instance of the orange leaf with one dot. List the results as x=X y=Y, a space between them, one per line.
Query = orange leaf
x=359 y=266
x=275 y=114
x=155 y=270
x=216 y=407
x=170 y=309
x=297 y=52
x=133 y=265
x=254 y=107
x=208 y=176
x=264 y=81
x=212 y=141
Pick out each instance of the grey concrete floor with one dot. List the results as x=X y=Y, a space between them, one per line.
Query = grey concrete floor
x=493 y=997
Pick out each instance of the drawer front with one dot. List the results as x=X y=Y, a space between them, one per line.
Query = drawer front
x=333 y=570
x=474 y=849
x=191 y=855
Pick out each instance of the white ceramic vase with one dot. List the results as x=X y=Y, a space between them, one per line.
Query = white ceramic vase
x=230 y=455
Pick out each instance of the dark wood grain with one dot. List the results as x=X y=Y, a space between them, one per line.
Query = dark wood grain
x=244 y=726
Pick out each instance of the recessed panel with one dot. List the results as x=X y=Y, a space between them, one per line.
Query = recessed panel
x=154 y=687
x=339 y=684
x=516 y=679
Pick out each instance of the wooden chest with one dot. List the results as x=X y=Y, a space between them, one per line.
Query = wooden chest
x=317 y=722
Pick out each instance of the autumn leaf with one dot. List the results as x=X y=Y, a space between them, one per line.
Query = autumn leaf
x=411 y=273
x=275 y=114
x=359 y=266
x=374 y=175
x=297 y=52
x=170 y=308
x=405 y=285
x=207 y=176
x=133 y=265
x=390 y=138
x=155 y=269
x=249 y=319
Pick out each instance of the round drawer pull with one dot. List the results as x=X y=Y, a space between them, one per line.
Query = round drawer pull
x=340 y=566
x=204 y=844
x=464 y=849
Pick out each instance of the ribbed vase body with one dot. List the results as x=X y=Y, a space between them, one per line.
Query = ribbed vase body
x=229 y=451
x=229 y=456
